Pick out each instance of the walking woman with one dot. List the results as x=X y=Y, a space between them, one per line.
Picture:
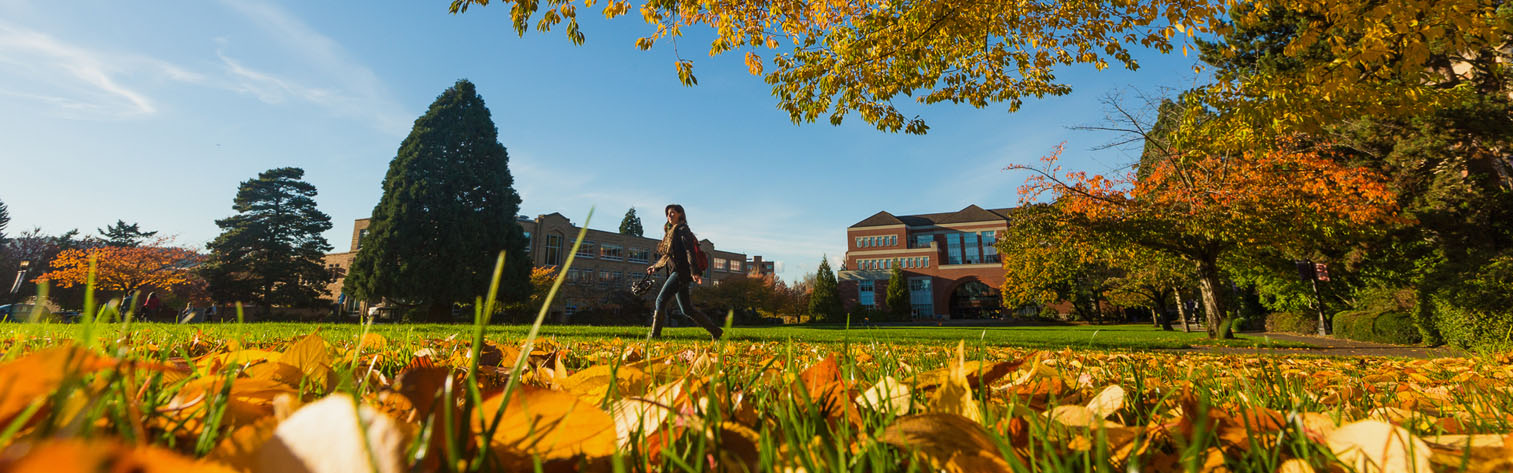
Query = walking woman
x=677 y=255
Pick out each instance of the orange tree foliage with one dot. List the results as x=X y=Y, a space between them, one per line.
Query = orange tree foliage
x=1199 y=205
x=124 y=269
x=834 y=57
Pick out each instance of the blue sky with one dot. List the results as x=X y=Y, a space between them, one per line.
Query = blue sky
x=153 y=112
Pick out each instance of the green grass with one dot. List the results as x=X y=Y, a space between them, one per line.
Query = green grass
x=1103 y=337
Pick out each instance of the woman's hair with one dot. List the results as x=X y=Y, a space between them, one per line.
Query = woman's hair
x=682 y=215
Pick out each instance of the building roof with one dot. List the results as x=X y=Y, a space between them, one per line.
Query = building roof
x=972 y=213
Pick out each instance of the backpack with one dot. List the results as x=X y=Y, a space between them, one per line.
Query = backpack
x=700 y=259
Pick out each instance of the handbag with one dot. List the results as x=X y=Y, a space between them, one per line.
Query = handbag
x=642 y=286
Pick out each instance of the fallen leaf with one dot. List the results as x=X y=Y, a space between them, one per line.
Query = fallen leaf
x=948 y=441
x=100 y=455
x=546 y=425
x=332 y=435
x=888 y=396
x=955 y=395
x=1372 y=446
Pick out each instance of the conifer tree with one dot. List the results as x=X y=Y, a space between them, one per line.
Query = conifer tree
x=898 y=293
x=272 y=251
x=825 y=302
x=447 y=210
x=631 y=224
x=124 y=234
x=5 y=220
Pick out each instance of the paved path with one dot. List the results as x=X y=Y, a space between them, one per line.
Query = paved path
x=1327 y=346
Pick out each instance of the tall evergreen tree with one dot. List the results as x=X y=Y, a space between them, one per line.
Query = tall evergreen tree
x=631 y=224
x=898 y=293
x=5 y=220
x=448 y=209
x=825 y=302
x=123 y=234
x=271 y=252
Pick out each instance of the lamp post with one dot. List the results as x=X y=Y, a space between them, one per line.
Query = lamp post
x=20 y=279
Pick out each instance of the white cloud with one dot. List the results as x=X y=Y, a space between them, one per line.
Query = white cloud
x=342 y=85
x=76 y=81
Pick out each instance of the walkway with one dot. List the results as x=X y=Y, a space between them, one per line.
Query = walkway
x=1327 y=346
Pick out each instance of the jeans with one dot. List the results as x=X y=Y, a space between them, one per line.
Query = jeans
x=675 y=290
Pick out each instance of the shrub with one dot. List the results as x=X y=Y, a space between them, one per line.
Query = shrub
x=1477 y=312
x=1382 y=326
x=1293 y=322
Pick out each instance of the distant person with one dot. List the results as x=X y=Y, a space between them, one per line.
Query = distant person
x=677 y=256
x=150 y=305
x=210 y=313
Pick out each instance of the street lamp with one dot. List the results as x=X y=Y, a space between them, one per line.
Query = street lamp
x=20 y=278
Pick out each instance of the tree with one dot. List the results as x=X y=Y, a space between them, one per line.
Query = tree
x=1049 y=257
x=859 y=55
x=5 y=220
x=124 y=269
x=122 y=234
x=631 y=224
x=447 y=210
x=898 y=293
x=1200 y=203
x=825 y=300
x=271 y=252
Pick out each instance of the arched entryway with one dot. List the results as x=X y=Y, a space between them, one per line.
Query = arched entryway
x=973 y=299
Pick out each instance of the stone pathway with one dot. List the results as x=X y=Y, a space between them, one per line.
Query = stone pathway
x=1326 y=346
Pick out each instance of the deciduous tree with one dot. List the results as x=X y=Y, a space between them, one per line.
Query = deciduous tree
x=447 y=210
x=833 y=57
x=124 y=269
x=272 y=251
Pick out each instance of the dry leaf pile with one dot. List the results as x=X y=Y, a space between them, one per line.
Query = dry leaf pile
x=373 y=404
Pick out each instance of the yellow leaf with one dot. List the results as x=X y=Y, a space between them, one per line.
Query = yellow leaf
x=334 y=435
x=1107 y=402
x=888 y=396
x=955 y=396
x=1295 y=466
x=89 y=456
x=32 y=376
x=948 y=441
x=546 y=425
x=311 y=357
x=592 y=384
x=639 y=417
x=1372 y=446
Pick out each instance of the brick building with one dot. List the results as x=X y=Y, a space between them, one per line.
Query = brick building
x=605 y=261
x=949 y=259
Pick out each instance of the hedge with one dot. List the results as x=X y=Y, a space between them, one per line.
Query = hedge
x=1381 y=326
x=1293 y=322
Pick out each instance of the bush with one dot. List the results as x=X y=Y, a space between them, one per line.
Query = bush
x=1477 y=312
x=1382 y=326
x=1293 y=322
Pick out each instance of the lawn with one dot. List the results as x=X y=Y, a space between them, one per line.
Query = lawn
x=410 y=397
x=1115 y=337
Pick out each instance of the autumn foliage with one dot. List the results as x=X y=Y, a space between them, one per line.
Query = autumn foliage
x=123 y=269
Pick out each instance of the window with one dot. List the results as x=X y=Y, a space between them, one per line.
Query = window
x=605 y=277
x=528 y=244
x=920 y=303
x=924 y=262
x=989 y=251
x=864 y=293
x=953 y=248
x=638 y=255
x=572 y=306
x=923 y=241
x=553 y=250
x=974 y=252
x=587 y=249
x=735 y=266
x=610 y=252
x=859 y=242
x=892 y=240
x=361 y=235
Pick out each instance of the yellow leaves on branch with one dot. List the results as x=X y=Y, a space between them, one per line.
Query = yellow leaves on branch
x=858 y=56
x=123 y=268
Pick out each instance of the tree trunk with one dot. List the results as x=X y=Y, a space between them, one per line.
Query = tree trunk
x=439 y=312
x=1208 y=295
x=1181 y=309
x=1160 y=313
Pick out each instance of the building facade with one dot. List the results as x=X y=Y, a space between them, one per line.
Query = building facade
x=952 y=267
x=606 y=261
